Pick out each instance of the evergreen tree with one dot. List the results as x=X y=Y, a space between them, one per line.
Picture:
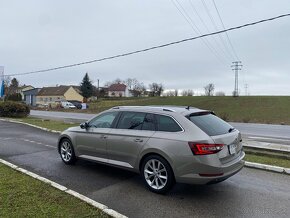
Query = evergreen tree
x=87 y=87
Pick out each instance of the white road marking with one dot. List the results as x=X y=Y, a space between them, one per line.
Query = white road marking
x=51 y=146
x=31 y=141
x=5 y=139
x=267 y=138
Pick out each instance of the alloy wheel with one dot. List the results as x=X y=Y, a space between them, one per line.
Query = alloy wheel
x=66 y=151
x=155 y=174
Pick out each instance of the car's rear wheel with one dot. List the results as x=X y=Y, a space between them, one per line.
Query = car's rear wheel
x=66 y=151
x=157 y=174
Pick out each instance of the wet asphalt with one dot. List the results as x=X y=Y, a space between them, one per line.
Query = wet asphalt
x=250 y=193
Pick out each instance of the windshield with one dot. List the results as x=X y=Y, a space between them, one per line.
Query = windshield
x=210 y=124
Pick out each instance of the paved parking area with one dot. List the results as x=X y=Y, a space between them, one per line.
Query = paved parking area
x=251 y=193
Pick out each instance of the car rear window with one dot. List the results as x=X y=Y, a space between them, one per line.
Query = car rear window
x=210 y=124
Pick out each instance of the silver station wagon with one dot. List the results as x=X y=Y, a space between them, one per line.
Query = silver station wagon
x=165 y=144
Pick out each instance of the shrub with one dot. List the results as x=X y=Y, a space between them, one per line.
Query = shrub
x=14 y=97
x=13 y=109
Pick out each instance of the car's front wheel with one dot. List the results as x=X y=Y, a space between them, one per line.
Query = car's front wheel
x=66 y=151
x=157 y=174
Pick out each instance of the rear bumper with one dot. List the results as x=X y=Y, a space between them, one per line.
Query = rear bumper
x=225 y=171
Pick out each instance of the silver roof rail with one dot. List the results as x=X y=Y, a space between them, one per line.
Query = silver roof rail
x=170 y=110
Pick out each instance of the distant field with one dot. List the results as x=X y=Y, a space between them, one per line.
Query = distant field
x=254 y=109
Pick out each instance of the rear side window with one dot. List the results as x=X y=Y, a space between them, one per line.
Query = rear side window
x=167 y=124
x=149 y=123
x=210 y=124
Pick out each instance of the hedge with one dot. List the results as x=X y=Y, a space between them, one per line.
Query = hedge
x=13 y=109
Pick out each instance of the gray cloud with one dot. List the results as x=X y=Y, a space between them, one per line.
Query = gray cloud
x=42 y=34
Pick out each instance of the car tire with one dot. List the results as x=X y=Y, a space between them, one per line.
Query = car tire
x=157 y=174
x=66 y=152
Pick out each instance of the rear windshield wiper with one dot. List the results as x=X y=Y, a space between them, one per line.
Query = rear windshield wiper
x=231 y=129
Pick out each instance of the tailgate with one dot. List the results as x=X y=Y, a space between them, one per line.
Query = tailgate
x=232 y=145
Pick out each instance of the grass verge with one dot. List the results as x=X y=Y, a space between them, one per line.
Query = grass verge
x=275 y=161
x=23 y=196
x=49 y=124
x=252 y=109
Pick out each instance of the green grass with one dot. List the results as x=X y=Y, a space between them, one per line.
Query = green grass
x=275 y=161
x=23 y=196
x=255 y=109
x=49 y=124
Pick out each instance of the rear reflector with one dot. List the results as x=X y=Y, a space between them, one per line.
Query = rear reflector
x=204 y=149
x=211 y=175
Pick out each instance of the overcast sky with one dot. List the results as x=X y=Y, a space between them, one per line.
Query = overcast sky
x=40 y=34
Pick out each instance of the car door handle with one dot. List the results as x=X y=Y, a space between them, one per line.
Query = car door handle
x=104 y=136
x=138 y=140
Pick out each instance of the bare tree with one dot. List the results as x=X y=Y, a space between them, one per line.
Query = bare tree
x=176 y=92
x=156 y=89
x=108 y=83
x=188 y=92
x=184 y=93
x=7 y=82
x=118 y=80
x=128 y=83
x=138 y=89
x=220 y=93
x=169 y=93
x=209 y=89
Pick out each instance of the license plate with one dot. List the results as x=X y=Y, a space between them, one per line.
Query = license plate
x=233 y=148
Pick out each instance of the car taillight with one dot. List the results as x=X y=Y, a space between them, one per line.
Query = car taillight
x=204 y=149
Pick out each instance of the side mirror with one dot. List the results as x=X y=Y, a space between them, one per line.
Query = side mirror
x=84 y=125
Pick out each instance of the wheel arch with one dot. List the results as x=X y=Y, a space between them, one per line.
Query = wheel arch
x=61 y=138
x=158 y=153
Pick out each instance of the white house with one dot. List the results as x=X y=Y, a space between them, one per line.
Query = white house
x=118 y=90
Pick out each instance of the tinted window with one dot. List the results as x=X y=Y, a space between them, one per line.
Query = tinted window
x=149 y=123
x=210 y=124
x=104 y=120
x=131 y=120
x=167 y=124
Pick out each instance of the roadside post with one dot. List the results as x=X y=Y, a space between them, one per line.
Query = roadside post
x=2 y=88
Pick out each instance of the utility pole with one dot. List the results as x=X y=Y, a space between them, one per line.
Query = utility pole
x=98 y=95
x=236 y=67
x=246 y=89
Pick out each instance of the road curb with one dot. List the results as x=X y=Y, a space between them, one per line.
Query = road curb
x=266 y=167
x=247 y=164
x=28 y=124
x=62 y=188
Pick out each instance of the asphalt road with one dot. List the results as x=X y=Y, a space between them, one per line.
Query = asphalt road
x=271 y=133
x=250 y=193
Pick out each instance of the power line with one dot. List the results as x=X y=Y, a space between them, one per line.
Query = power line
x=216 y=28
x=196 y=29
x=228 y=38
x=207 y=29
x=153 y=47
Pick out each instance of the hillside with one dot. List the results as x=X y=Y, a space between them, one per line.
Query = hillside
x=254 y=109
